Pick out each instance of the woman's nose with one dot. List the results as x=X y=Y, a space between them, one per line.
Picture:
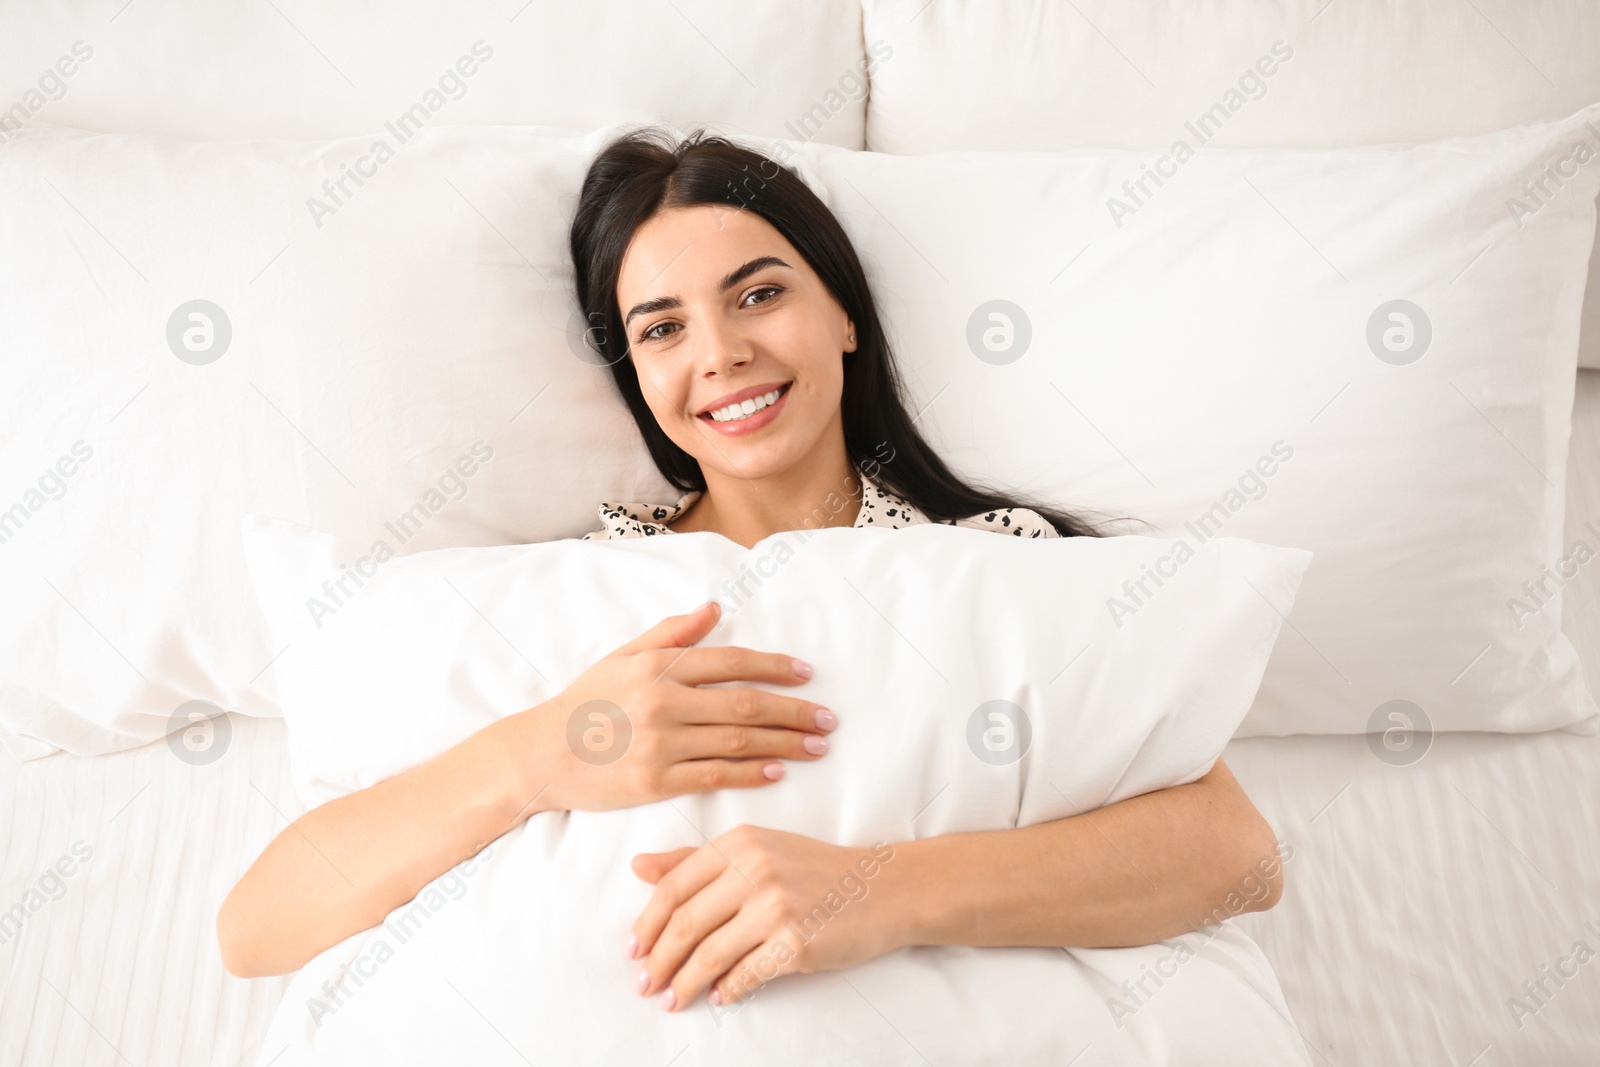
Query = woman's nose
x=720 y=349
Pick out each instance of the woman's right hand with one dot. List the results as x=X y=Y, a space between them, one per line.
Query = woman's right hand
x=637 y=727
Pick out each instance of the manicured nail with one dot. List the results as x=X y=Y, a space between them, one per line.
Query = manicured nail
x=802 y=669
x=715 y=996
x=669 y=1000
x=633 y=945
x=773 y=771
x=643 y=981
x=826 y=720
x=814 y=744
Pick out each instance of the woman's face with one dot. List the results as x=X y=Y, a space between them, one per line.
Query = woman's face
x=719 y=308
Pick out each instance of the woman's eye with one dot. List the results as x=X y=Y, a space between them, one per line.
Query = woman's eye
x=771 y=292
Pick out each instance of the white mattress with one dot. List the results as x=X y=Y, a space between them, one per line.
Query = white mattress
x=1418 y=900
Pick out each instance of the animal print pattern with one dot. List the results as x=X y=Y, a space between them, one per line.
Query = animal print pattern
x=879 y=507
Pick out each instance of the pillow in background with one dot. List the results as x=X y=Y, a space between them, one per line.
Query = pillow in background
x=1368 y=352
x=194 y=331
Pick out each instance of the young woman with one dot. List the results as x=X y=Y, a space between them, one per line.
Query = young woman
x=738 y=325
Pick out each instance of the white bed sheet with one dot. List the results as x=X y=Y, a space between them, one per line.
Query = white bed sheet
x=123 y=967
x=1417 y=902
x=1418 y=899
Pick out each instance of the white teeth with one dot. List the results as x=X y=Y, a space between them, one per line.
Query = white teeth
x=736 y=412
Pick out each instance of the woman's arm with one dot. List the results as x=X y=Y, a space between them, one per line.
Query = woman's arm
x=1130 y=873
x=758 y=903
x=343 y=866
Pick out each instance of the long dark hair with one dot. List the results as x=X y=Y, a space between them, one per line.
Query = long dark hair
x=649 y=170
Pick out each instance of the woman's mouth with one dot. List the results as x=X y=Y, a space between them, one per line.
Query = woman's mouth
x=736 y=420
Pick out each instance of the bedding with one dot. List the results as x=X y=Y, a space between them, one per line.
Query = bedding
x=403 y=385
x=1011 y=691
x=113 y=869
x=1366 y=352
x=391 y=358
x=343 y=68
x=1290 y=74
x=133 y=946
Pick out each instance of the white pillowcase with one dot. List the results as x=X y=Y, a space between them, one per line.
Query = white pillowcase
x=1296 y=74
x=981 y=683
x=387 y=662
x=347 y=67
x=1219 y=349
x=1212 y=346
x=404 y=369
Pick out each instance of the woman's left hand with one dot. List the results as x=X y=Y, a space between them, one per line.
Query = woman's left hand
x=755 y=904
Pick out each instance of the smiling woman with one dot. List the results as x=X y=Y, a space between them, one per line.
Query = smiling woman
x=738 y=324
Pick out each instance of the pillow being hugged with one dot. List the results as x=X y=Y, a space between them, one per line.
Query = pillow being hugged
x=952 y=657
x=980 y=682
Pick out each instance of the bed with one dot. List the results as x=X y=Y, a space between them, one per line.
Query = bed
x=1430 y=911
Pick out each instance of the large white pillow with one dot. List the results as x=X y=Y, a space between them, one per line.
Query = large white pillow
x=345 y=67
x=1225 y=73
x=981 y=683
x=398 y=364
x=1215 y=357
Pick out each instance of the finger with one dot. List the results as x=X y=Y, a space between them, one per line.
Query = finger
x=683 y=909
x=750 y=707
x=675 y=631
x=733 y=663
x=708 y=775
x=732 y=741
x=739 y=938
x=752 y=971
x=651 y=866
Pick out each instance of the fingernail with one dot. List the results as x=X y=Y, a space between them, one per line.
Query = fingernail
x=643 y=981
x=715 y=996
x=814 y=744
x=826 y=720
x=716 y=607
x=802 y=669
x=669 y=1000
x=773 y=771
x=633 y=945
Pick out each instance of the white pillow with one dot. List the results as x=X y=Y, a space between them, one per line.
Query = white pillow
x=386 y=663
x=346 y=67
x=411 y=353
x=1301 y=73
x=1094 y=707
x=1219 y=349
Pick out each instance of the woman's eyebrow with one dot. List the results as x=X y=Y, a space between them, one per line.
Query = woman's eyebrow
x=737 y=275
